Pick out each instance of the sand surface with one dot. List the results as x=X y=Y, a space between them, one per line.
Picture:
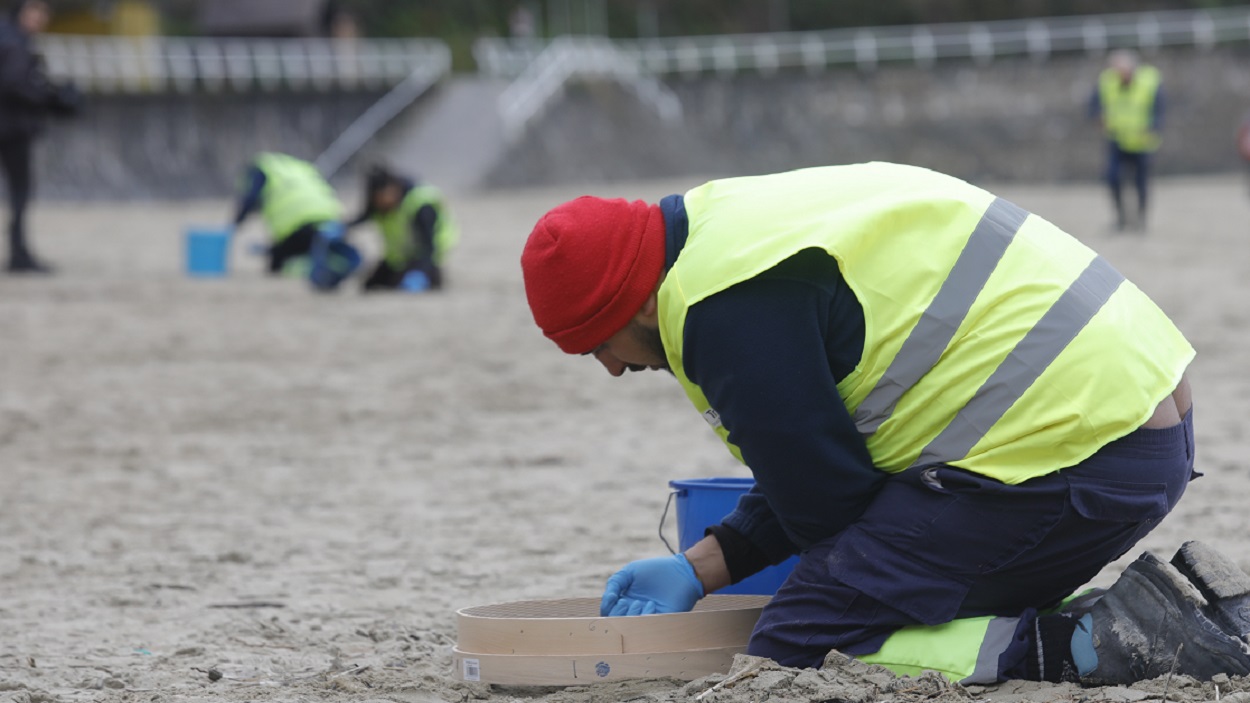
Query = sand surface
x=298 y=491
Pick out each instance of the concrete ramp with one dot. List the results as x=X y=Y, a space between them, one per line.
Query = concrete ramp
x=451 y=139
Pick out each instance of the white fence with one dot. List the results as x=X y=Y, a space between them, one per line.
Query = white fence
x=581 y=57
x=160 y=64
x=866 y=47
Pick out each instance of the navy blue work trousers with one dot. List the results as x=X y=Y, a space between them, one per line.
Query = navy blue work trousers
x=1139 y=162
x=940 y=543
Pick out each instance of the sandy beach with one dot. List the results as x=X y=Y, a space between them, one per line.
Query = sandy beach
x=298 y=491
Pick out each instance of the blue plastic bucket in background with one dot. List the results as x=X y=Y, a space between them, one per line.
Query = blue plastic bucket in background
x=207 y=250
x=704 y=502
x=338 y=262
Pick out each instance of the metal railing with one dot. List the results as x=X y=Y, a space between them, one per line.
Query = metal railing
x=166 y=64
x=925 y=44
x=359 y=132
x=567 y=58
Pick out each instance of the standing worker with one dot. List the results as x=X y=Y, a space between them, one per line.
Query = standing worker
x=27 y=98
x=956 y=413
x=302 y=213
x=417 y=232
x=1129 y=105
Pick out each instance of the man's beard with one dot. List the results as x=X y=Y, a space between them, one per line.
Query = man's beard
x=650 y=340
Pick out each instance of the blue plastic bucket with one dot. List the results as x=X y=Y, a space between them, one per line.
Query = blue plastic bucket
x=704 y=502
x=333 y=265
x=207 y=251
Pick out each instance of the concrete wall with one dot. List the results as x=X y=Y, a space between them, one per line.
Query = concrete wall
x=1011 y=120
x=176 y=146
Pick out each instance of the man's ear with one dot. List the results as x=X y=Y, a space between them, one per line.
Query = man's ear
x=649 y=313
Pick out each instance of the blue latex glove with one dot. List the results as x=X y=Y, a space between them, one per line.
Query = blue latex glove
x=415 y=281
x=648 y=586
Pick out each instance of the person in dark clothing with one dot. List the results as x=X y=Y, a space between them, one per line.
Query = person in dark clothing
x=417 y=232
x=27 y=98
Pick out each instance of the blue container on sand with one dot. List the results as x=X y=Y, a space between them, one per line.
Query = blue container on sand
x=207 y=250
x=704 y=502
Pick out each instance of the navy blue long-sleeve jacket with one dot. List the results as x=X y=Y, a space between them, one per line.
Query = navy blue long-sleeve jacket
x=27 y=96
x=768 y=354
x=249 y=198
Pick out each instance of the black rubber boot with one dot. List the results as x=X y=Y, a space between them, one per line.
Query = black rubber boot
x=20 y=258
x=27 y=264
x=1153 y=621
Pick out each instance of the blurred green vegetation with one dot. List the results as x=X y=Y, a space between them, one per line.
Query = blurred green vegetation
x=633 y=18
x=459 y=22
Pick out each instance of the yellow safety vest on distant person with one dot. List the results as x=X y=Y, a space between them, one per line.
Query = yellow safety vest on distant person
x=1127 y=110
x=399 y=245
x=295 y=195
x=993 y=341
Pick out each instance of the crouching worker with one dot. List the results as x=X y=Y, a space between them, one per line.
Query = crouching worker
x=956 y=413
x=303 y=215
x=417 y=232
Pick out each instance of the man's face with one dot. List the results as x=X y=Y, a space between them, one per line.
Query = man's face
x=387 y=197
x=1124 y=65
x=636 y=348
x=34 y=17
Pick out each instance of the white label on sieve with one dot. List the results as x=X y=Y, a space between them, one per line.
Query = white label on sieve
x=712 y=417
x=472 y=670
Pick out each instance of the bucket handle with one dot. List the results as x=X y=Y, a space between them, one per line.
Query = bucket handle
x=663 y=517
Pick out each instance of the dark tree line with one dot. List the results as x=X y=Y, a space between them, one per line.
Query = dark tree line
x=632 y=18
x=463 y=19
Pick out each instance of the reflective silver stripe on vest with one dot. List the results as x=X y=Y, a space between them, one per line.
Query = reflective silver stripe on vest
x=1027 y=361
x=998 y=637
x=937 y=326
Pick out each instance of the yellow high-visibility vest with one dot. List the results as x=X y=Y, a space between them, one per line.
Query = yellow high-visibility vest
x=994 y=341
x=295 y=195
x=399 y=246
x=1127 y=109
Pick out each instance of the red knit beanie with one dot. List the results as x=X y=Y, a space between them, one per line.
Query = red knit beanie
x=589 y=266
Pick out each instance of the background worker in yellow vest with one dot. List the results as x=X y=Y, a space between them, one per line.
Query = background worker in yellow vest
x=956 y=413
x=303 y=215
x=417 y=232
x=1128 y=103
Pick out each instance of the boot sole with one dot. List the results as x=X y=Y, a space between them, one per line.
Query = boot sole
x=1225 y=586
